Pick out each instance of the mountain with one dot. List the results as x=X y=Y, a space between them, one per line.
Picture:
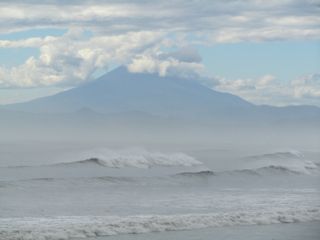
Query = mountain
x=139 y=108
x=122 y=93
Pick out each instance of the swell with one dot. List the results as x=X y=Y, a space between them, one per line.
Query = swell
x=79 y=180
x=270 y=170
x=293 y=162
x=200 y=173
x=85 y=161
x=64 y=228
x=277 y=155
x=60 y=164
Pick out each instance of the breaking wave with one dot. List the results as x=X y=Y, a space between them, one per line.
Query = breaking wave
x=64 y=228
x=282 y=162
x=137 y=158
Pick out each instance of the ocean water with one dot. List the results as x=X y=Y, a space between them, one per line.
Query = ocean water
x=296 y=231
x=138 y=193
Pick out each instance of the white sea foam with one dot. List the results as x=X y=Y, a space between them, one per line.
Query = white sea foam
x=61 y=228
x=135 y=157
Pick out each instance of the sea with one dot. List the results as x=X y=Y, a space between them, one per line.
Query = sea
x=73 y=191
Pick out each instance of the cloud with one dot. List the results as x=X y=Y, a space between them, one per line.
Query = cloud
x=307 y=87
x=185 y=54
x=72 y=58
x=218 y=21
x=185 y=62
x=30 y=42
x=270 y=90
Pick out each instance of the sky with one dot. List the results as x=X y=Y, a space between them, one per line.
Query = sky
x=267 y=52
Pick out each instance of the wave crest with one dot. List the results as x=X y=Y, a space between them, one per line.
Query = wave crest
x=138 y=158
x=290 y=162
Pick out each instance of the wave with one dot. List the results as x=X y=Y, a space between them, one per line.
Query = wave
x=86 y=161
x=200 y=173
x=277 y=155
x=67 y=227
x=267 y=170
x=272 y=169
x=76 y=180
x=154 y=178
x=277 y=170
x=137 y=158
x=289 y=162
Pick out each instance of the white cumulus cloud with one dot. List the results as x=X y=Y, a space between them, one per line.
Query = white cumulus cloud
x=270 y=90
x=72 y=58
